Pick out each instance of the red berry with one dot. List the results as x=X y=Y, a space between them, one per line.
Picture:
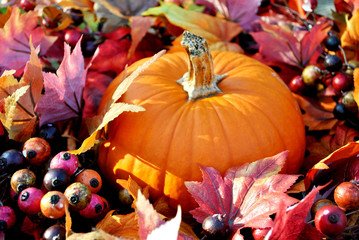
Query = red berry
x=91 y=179
x=346 y=196
x=7 y=218
x=66 y=161
x=297 y=84
x=53 y=204
x=72 y=36
x=94 y=208
x=78 y=196
x=27 y=5
x=342 y=82
x=330 y=220
x=260 y=233
x=29 y=200
x=22 y=179
x=36 y=151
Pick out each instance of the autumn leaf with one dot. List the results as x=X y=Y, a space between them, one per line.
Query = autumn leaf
x=117 y=13
x=63 y=91
x=14 y=36
x=315 y=117
x=290 y=223
x=356 y=85
x=321 y=148
x=333 y=167
x=246 y=196
x=114 y=108
x=21 y=124
x=294 y=47
x=218 y=32
x=242 y=12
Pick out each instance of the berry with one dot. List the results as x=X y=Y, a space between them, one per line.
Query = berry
x=330 y=220
x=7 y=218
x=49 y=132
x=332 y=63
x=53 y=204
x=297 y=84
x=27 y=5
x=91 y=179
x=56 y=179
x=340 y=112
x=260 y=233
x=125 y=197
x=332 y=43
x=319 y=204
x=346 y=196
x=72 y=36
x=342 y=82
x=11 y=160
x=311 y=74
x=22 y=179
x=36 y=151
x=94 y=208
x=349 y=102
x=66 y=161
x=88 y=46
x=78 y=196
x=76 y=16
x=215 y=226
x=29 y=200
x=55 y=232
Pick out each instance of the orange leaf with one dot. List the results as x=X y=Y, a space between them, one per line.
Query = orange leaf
x=68 y=221
x=356 y=85
x=350 y=37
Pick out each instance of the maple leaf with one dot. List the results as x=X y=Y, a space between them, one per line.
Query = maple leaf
x=117 y=13
x=246 y=196
x=63 y=91
x=218 y=32
x=14 y=36
x=20 y=119
x=316 y=117
x=242 y=12
x=113 y=108
x=290 y=224
x=293 y=47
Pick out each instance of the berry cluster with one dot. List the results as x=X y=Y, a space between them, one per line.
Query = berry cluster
x=331 y=76
x=42 y=185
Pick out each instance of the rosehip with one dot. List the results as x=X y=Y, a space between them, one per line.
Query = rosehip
x=56 y=179
x=78 y=196
x=346 y=196
x=7 y=218
x=22 y=179
x=215 y=226
x=66 y=161
x=319 y=204
x=94 y=208
x=36 y=151
x=72 y=36
x=11 y=160
x=53 y=204
x=297 y=84
x=29 y=200
x=55 y=232
x=330 y=220
x=91 y=179
x=342 y=82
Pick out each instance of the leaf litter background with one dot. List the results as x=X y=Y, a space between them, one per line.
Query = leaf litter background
x=44 y=80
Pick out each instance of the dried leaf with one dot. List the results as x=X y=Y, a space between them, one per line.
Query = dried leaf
x=63 y=91
x=246 y=196
x=96 y=234
x=350 y=37
x=218 y=32
x=315 y=117
x=356 y=85
x=113 y=109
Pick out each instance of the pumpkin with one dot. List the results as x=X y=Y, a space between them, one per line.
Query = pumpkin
x=221 y=110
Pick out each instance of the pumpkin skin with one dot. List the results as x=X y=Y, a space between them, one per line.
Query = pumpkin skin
x=254 y=117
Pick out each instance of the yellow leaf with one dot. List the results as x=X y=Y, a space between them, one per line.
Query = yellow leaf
x=113 y=109
x=214 y=30
x=356 y=85
x=350 y=38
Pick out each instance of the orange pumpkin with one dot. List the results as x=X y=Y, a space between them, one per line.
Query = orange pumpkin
x=221 y=113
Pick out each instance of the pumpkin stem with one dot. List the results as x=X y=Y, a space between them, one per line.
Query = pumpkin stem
x=200 y=80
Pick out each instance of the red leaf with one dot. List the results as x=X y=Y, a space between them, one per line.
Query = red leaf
x=14 y=38
x=247 y=195
x=291 y=224
x=63 y=90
